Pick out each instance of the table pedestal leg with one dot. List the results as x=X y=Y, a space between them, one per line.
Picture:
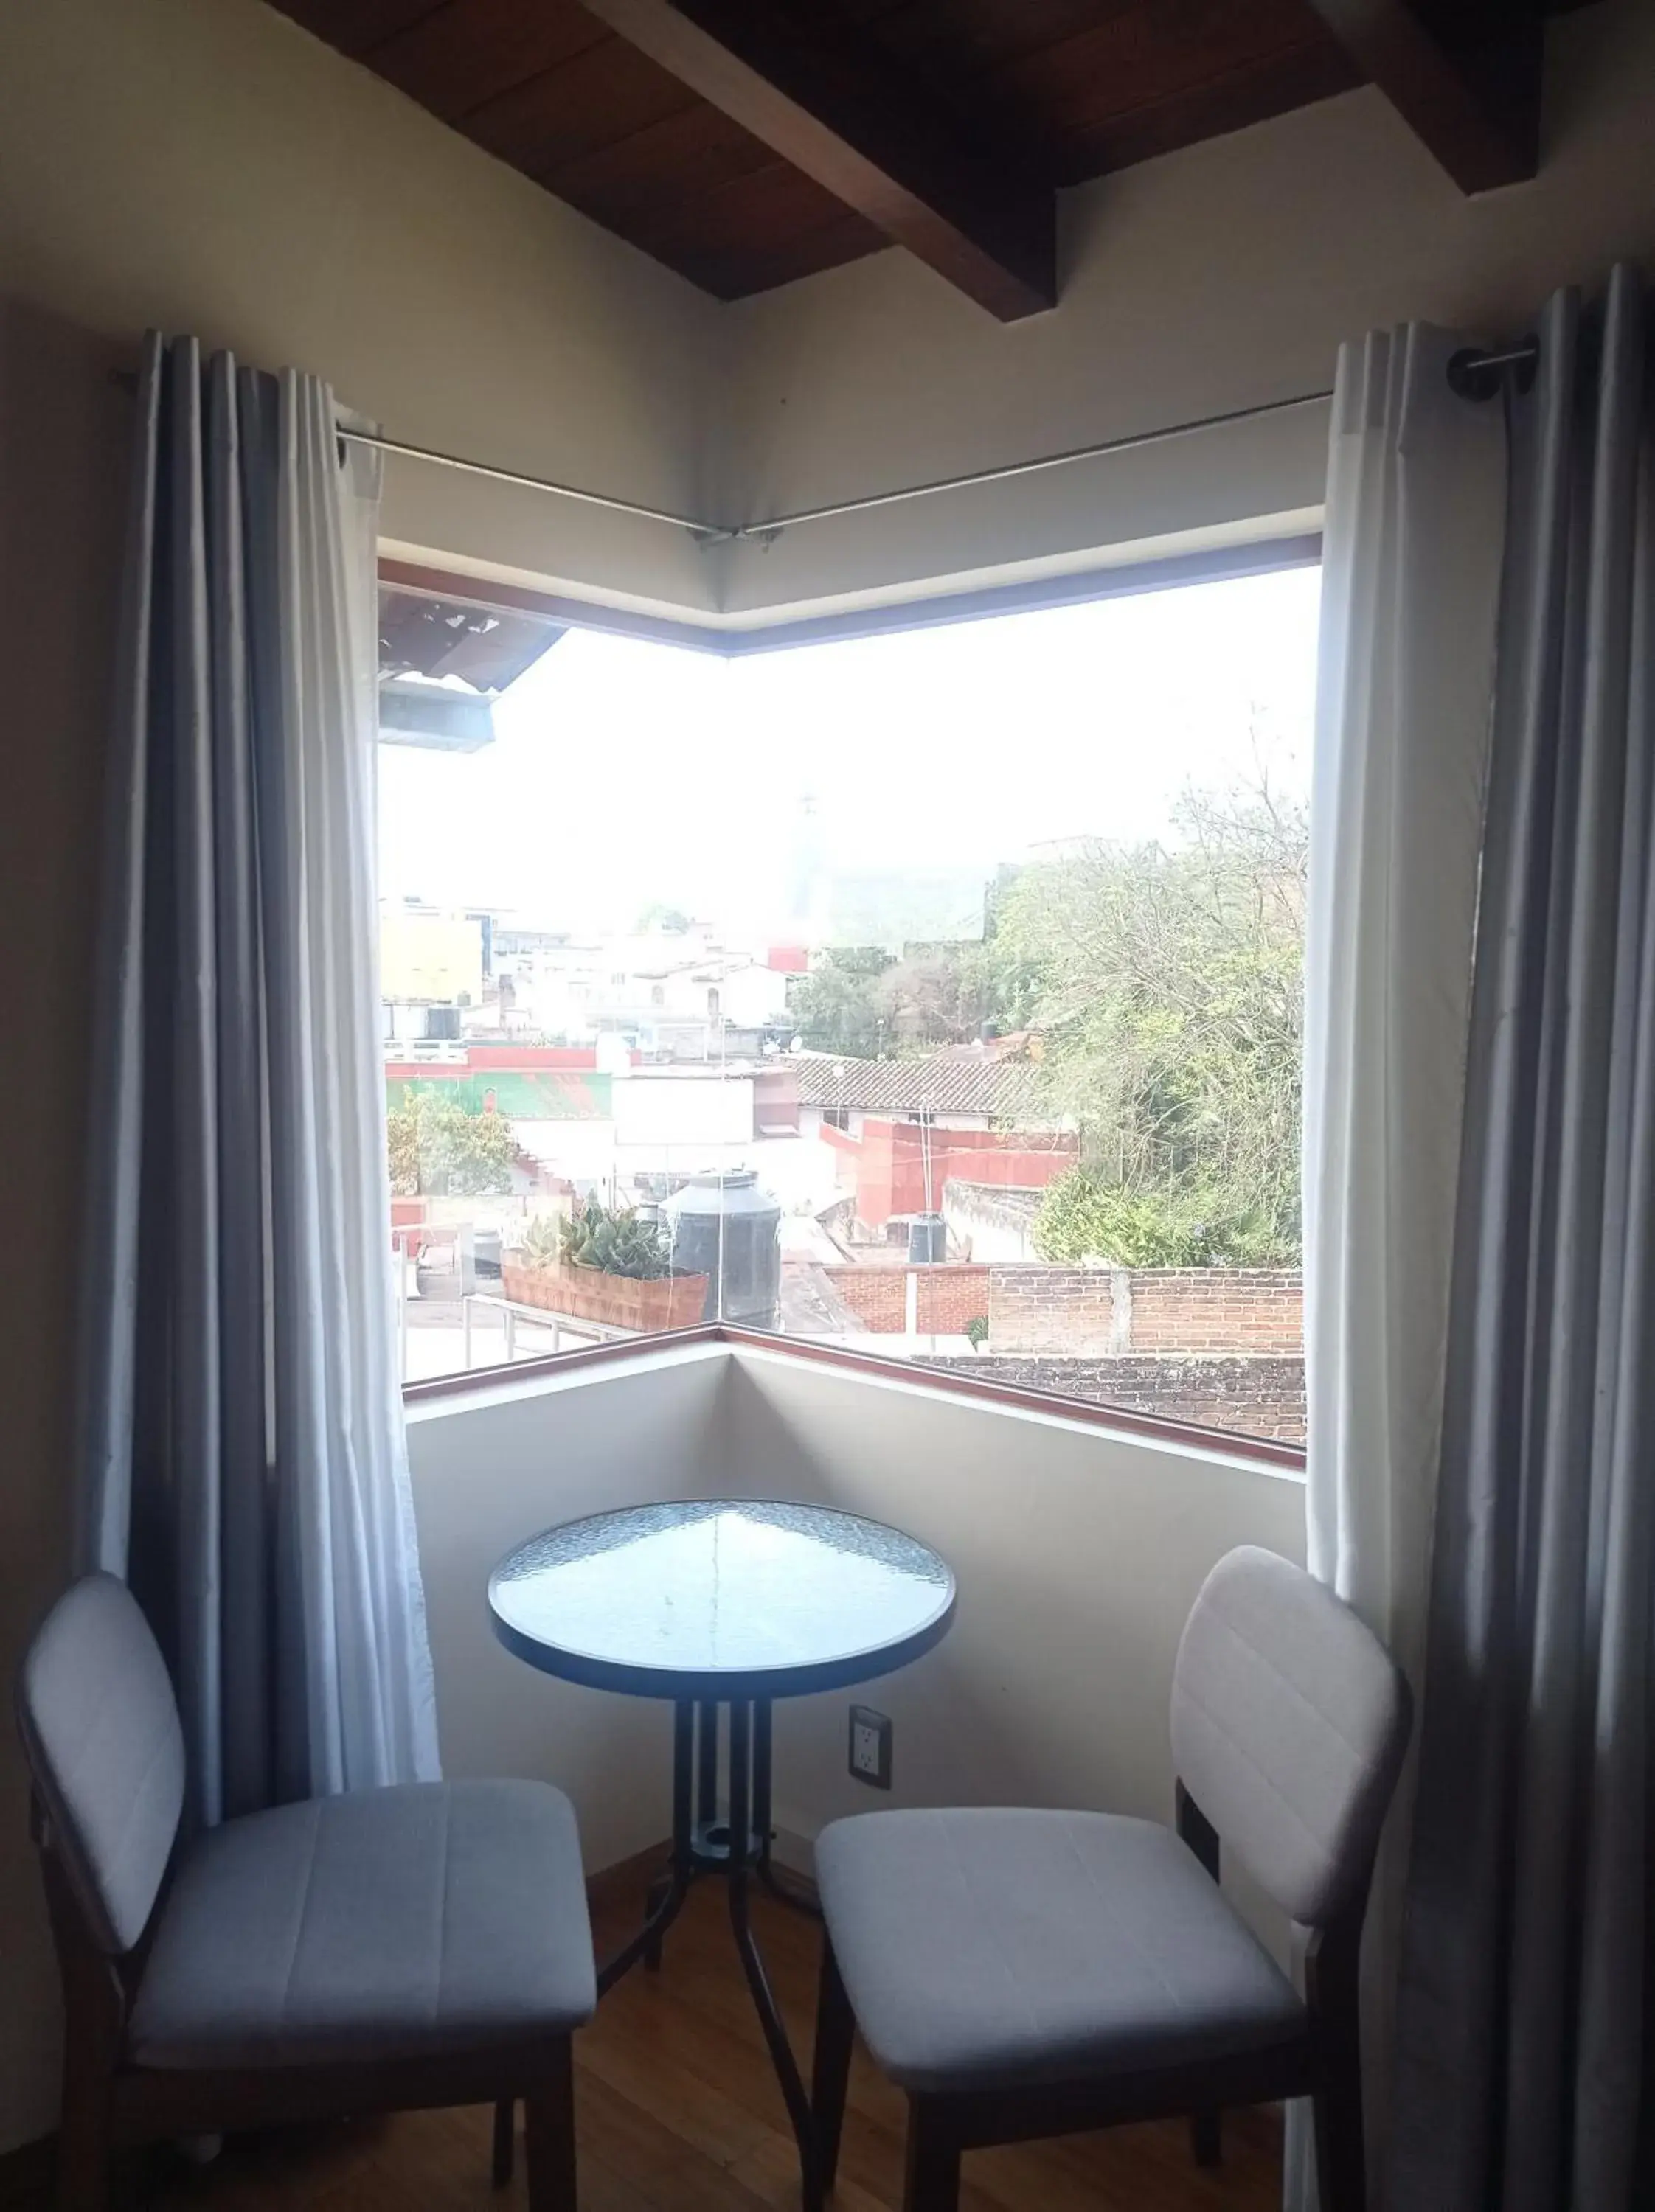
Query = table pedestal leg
x=750 y=1793
x=668 y=1893
x=739 y=1850
x=763 y=1831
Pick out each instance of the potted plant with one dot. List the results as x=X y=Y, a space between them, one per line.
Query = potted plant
x=532 y=1253
x=606 y=1265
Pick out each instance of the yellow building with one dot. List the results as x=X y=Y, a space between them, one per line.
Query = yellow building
x=428 y=957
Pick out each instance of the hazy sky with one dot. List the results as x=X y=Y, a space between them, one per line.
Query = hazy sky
x=625 y=773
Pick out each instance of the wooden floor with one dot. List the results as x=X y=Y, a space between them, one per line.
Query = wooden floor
x=677 y=2111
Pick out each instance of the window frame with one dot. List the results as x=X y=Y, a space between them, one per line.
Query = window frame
x=1264 y=556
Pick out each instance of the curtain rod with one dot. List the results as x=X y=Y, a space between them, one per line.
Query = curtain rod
x=1130 y=443
x=1473 y=374
x=708 y=532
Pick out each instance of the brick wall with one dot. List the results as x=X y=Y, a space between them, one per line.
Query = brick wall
x=1051 y=1308
x=1217 y=1310
x=1257 y=1395
x=876 y=1295
x=1097 y=1310
x=950 y=1295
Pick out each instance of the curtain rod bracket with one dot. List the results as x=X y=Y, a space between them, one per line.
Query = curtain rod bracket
x=1476 y=374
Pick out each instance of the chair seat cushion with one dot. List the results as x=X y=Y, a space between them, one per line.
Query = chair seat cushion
x=387 y=1924
x=987 y=1948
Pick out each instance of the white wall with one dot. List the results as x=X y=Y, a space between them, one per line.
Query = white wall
x=63 y=439
x=495 y=1467
x=1212 y=279
x=682 y=1110
x=1078 y=1554
x=206 y=166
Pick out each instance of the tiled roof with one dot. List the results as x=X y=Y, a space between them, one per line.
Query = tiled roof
x=963 y=1082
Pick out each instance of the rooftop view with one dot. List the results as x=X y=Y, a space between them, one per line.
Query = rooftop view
x=782 y=991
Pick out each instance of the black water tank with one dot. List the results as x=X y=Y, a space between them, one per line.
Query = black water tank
x=724 y=1227
x=927 y=1238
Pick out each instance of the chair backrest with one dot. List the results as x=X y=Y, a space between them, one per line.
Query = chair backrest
x=1289 y=1723
x=101 y=1730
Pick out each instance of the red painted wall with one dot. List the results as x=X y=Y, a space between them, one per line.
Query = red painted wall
x=884 y=1167
x=578 y=1058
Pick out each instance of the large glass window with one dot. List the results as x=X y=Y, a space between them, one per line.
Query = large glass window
x=934 y=994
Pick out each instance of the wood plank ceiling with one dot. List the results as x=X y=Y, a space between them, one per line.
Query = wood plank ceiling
x=745 y=143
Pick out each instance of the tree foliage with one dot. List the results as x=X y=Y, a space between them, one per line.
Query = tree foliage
x=865 y=1002
x=439 y=1151
x=1085 y=1216
x=935 y=994
x=833 y=1006
x=1166 y=982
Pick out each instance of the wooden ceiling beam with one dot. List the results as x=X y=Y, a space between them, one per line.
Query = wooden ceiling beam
x=1474 y=101
x=836 y=107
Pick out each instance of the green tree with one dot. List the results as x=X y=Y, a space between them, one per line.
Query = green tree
x=935 y=994
x=1166 y=982
x=834 y=1007
x=670 y=921
x=439 y=1151
x=864 y=1002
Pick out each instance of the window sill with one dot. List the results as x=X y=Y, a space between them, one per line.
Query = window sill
x=451 y=1393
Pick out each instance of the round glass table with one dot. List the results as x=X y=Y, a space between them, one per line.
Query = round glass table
x=722 y=1606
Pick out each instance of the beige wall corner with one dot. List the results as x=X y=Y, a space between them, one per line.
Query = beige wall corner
x=63 y=465
x=206 y=166
x=1212 y=279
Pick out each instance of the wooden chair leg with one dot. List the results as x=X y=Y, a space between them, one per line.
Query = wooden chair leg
x=1340 y=2153
x=83 y=2156
x=505 y=2129
x=836 y=2029
x=91 y=2049
x=1332 y=1987
x=549 y=2133
x=933 y=2177
x=1206 y=2138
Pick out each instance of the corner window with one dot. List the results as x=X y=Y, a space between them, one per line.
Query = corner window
x=964 y=1026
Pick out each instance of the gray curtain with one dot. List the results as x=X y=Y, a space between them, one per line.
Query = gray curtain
x=1525 y=2013
x=242 y=1462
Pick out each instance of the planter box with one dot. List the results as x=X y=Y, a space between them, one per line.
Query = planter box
x=613 y=1300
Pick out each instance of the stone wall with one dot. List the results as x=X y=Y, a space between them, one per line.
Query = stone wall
x=987 y=1223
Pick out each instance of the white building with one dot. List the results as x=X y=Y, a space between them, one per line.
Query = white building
x=686 y=996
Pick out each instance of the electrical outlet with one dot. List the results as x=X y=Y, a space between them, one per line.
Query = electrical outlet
x=870 y=1746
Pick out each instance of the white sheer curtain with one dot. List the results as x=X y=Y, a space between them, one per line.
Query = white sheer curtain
x=1411 y=570
x=243 y=1462
x=359 y=1633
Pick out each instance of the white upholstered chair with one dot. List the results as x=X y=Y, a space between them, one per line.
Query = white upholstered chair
x=379 y=1951
x=1030 y=1973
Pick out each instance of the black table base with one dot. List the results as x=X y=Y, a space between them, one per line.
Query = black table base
x=720 y=1605
x=737 y=1848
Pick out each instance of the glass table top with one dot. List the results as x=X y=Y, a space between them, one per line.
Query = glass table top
x=720 y=1597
